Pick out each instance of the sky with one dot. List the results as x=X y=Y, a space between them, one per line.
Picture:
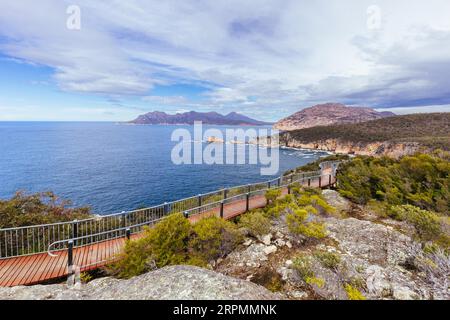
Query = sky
x=109 y=60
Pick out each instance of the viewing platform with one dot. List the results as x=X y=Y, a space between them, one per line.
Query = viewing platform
x=43 y=253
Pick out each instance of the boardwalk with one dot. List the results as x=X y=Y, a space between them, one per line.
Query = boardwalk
x=40 y=268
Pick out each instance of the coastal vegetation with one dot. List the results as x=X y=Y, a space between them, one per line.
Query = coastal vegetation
x=39 y=208
x=414 y=189
x=422 y=180
x=429 y=130
x=175 y=240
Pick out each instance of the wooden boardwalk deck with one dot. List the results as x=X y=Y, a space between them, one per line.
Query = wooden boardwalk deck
x=40 y=268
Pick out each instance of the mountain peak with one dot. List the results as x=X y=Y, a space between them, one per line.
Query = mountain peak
x=328 y=114
x=212 y=117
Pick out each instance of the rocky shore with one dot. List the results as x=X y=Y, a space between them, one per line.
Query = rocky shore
x=386 y=148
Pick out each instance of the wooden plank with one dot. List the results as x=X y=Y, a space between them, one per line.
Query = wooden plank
x=54 y=268
x=7 y=269
x=34 y=267
x=20 y=271
x=41 y=268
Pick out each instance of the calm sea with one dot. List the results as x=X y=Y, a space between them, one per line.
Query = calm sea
x=112 y=167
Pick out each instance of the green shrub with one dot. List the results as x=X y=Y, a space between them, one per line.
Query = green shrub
x=422 y=180
x=314 y=230
x=296 y=219
x=39 y=208
x=162 y=245
x=329 y=260
x=296 y=222
x=86 y=277
x=213 y=238
x=168 y=240
x=303 y=265
x=272 y=195
x=280 y=206
x=319 y=282
x=353 y=293
x=317 y=202
x=255 y=222
x=426 y=223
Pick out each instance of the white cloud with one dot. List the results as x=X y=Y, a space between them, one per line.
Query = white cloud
x=254 y=54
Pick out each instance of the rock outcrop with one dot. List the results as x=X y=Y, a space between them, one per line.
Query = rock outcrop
x=327 y=114
x=386 y=148
x=169 y=283
x=376 y=258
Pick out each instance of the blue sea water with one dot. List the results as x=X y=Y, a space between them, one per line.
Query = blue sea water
x=112 y=167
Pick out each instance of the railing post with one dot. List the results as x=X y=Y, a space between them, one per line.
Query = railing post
x=128 y=233
x=225 y=193
x=268 y=185
x=124 y=220
x=249 y=188
x=289 y=188
x=70 y=257
x=309 y=182
x=75 y=230
x=320 y=182
x=247 y=198
x=279 y=182
x=292 y=178
x=166 y=208
x=221 y=209
x=199 y=200
x=186 y=214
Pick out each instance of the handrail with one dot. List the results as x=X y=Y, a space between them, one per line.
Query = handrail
x=32 y=239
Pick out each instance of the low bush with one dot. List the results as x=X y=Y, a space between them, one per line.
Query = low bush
x=329 y=260
x=313 y=230
x=319 y=282
x=299 y=209
x=272 y=195
x=303 y=265
x=175 y=241
x=164 y=244
x=422 y=180
x=426 y=223
x=353 y=293
x=213 y=238
x=39 y=208
x=255 y=222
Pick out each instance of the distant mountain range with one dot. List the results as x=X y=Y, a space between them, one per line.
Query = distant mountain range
x=188 y=118
x=328 y=114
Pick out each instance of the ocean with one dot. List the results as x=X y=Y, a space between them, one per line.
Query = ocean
x=112 y=167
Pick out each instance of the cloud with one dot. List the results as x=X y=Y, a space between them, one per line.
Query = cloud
x=165 y=100
x=250 y=55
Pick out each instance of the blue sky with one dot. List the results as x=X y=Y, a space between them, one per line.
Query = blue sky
x=256 y=57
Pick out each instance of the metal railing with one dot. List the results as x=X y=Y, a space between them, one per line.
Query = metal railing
x=29 y=240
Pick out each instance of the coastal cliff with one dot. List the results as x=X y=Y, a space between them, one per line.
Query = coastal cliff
x=385 y=148
x=394 y=136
